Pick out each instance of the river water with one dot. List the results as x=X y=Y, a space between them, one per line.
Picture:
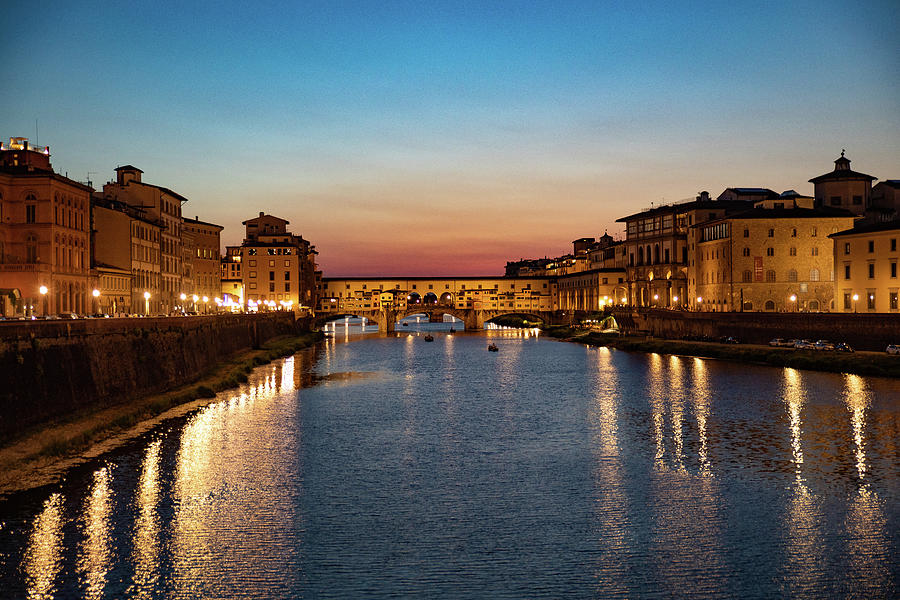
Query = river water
x=395 y=467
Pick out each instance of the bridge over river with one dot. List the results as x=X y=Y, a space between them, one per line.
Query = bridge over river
x=474 y=300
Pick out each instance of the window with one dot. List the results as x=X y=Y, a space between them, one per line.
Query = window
x=747 y=276
x=792 y=275
x=846 y=271
x=30 y=212
x=893 y=270
x=814 y=232
x=770 y=276
x=746 y=252
x=871 y=246
x=794 y=232
x=815 y=250
x=271 y=263
x=31 y=249
x=870 y=300
x=871 y=270
x=835 y=200
x=287 y=287
x=771 y=233
x=846 y=247
x=813 y=274
x=746 y=233
x=271 y=286
x=793 y=251
x=252 y=263
x=252 y=274
x=892 y=297
x=846 y=300
x=893 y=244
x=287 y=277
x=770 y=251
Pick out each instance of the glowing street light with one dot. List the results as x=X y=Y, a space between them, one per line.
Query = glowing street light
x=147 y=303
x=43 y=291
x=855 y=298
x=793 y=300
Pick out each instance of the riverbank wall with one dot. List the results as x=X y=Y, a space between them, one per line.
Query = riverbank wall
x=54 y=369
x=862 y=331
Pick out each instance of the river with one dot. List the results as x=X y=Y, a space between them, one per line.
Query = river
x=388 y=466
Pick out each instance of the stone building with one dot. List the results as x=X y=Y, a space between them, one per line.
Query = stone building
x=44 y=235
x=773 y=257
x=232 y=279
x=278 y=268
x=126 y=254
x=162 y=205
x=659 y=246
x=203 y=256
x=843 y=188
x=865 y=260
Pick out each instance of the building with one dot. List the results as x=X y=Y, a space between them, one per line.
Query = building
x=201 y=239
x=278 y=268
x=44 y=235
x=844 y=188
x=232 y=278
x=885 y=202
x=776 y=256
x=127 y=257
x=659 y=244
x=161 y=205
x=865 y=260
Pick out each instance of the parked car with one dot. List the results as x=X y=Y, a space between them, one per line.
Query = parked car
x=824 y=345
x=892 y=349
x=67 y=315
x=804 y=345
x=99 y=316
x=842 y=347
x=730 y=340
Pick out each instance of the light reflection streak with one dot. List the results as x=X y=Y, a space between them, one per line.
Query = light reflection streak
x=857 y=399
x=701 y=394
x=287 y=375
x=611 y=501
x=95 y=556
x=43 y=558
x=147 y=530
x=676 y=388
x=804 y=561
x=657 y=391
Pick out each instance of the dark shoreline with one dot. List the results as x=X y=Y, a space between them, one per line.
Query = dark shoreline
x=875 y=364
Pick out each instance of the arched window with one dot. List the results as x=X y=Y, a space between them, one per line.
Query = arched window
x=748 y=305
x=770 y=276
x=746 y=251
x=792 y=275
x=640 y=255
x=813 y=305
x=813 y=274
x=747 y=276
x=656 y=254
x=770 y=305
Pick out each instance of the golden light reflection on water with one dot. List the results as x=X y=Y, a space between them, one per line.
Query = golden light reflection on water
x=95 y=554
x=657 y=392
x=676 y=390
x=43 y=557
x=867 y=543
x=611 y=503
x=804 y=520
x=146 y=530
x=700 y=395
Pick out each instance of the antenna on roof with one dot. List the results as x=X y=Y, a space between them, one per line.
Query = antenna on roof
x=37 y=138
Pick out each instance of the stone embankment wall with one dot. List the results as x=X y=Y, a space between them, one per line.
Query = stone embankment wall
x=862 y=331
x=51 y=369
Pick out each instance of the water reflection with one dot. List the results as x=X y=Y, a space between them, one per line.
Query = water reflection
x=146 y=547
x=43 y=558
x=700 y=394
x=95 y=556
x=657 y=392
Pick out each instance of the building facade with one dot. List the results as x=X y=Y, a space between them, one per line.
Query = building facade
x=44 y=235
x=865 y=260
x=844 y=188
x=161 y=205
x=204 y=258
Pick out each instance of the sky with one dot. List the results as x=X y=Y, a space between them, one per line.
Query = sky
x=447 y=138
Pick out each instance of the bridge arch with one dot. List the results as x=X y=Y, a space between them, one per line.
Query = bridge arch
x=430 y=298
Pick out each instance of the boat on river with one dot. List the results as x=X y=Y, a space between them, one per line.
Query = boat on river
x=428 y=338
x=493 y=348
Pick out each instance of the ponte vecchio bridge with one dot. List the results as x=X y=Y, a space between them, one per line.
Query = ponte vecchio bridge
x=474 y=300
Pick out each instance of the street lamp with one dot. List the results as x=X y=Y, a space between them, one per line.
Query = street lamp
x=147 y=303
x=96 y=295
x=43 y=291
x=855 y=298
x=793 y=300
x=699 y=302
x=205 y=304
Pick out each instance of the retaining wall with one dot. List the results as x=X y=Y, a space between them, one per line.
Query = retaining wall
x=862 y=331
x=50 y=369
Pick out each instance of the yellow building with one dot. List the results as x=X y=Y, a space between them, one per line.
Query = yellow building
x=278 y=268
x=161 y=205
x=774 y=257
x=866 y=260
x=591 y=290
x=232 y=279
x=205 y=279
x=44 y=235
x=844 y=188
x=126 y=241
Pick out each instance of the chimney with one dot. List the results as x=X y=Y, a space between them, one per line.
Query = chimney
x=261 y=213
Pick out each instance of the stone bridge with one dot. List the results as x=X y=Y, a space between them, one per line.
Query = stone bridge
x=473 y=318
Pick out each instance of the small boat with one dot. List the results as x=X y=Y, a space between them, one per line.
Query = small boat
x=428 y=338
x=452 y=330
x=493 y=348
x=406 y=324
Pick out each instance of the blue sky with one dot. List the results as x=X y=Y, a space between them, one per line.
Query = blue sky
x=437 y=138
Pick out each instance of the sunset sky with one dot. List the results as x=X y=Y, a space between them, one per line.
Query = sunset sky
x=426 y=138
